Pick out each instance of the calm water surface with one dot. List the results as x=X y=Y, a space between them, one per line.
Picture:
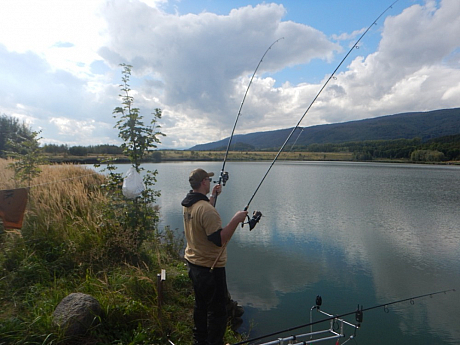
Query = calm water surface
x=354 y=233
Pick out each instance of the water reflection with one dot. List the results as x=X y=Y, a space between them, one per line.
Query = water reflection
x=343 y=224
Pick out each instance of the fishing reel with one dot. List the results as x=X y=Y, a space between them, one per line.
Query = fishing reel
x=223 y=178
x=256 y=215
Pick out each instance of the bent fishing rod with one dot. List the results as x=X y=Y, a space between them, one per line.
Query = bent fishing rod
x=223 y=174
x=358 y=314
x=257 y=214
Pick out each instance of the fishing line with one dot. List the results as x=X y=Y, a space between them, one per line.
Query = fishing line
x=223 y=174
x=358 y=313
x=313 y=101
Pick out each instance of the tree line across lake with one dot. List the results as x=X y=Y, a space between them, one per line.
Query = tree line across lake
x=446 y=148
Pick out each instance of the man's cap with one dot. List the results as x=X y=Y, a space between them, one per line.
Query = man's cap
x=198 y=175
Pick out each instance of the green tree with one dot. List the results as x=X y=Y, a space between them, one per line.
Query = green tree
x=138 y=217
x=78 y=151
x=12 y=130
x=27 y=157
x=427 y=156
x=138 y=139
x=55 y=149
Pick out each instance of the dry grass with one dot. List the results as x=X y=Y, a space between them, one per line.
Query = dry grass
x=51 y=174
x=61 y=203
x=59 y=192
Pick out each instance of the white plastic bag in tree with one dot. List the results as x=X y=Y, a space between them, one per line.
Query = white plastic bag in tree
x=133 y=185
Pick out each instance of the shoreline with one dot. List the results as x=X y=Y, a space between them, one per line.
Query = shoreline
x=254 y=158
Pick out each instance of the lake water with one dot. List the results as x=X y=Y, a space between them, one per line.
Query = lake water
x=354 y=233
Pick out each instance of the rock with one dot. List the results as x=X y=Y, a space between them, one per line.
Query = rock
x=76 y=313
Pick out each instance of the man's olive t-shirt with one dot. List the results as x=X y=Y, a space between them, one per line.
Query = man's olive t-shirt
x=201 y=220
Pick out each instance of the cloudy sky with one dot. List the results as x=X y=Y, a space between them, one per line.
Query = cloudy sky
x=60 y=73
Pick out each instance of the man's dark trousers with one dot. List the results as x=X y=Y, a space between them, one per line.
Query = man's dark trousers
x=210 y=311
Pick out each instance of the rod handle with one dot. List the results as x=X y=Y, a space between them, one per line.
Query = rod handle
x=218 y=257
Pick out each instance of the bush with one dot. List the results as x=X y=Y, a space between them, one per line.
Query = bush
x=427 y=156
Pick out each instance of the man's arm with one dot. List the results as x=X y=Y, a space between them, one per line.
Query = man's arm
x=227 y=232
x=212 y=200
x=215 y=192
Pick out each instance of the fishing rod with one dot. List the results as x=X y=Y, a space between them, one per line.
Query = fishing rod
x=257 y=214
x=223 y=174
x=358 y=314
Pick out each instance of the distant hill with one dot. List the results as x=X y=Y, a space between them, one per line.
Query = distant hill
x=423 y=125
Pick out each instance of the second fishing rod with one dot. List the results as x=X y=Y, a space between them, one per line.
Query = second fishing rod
x=257 y=214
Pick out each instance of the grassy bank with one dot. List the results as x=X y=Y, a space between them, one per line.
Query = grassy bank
x=171 y=155
x=69 y=243
x=186 y=155
x=242 y=156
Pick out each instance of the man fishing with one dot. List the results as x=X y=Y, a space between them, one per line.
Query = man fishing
x=205 y=238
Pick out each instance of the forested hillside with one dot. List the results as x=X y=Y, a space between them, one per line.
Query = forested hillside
x=422 y=125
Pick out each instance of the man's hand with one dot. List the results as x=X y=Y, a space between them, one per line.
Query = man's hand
x=240 y=216
x=216 y=190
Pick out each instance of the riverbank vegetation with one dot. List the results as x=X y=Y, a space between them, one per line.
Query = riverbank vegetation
x=71 y=241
